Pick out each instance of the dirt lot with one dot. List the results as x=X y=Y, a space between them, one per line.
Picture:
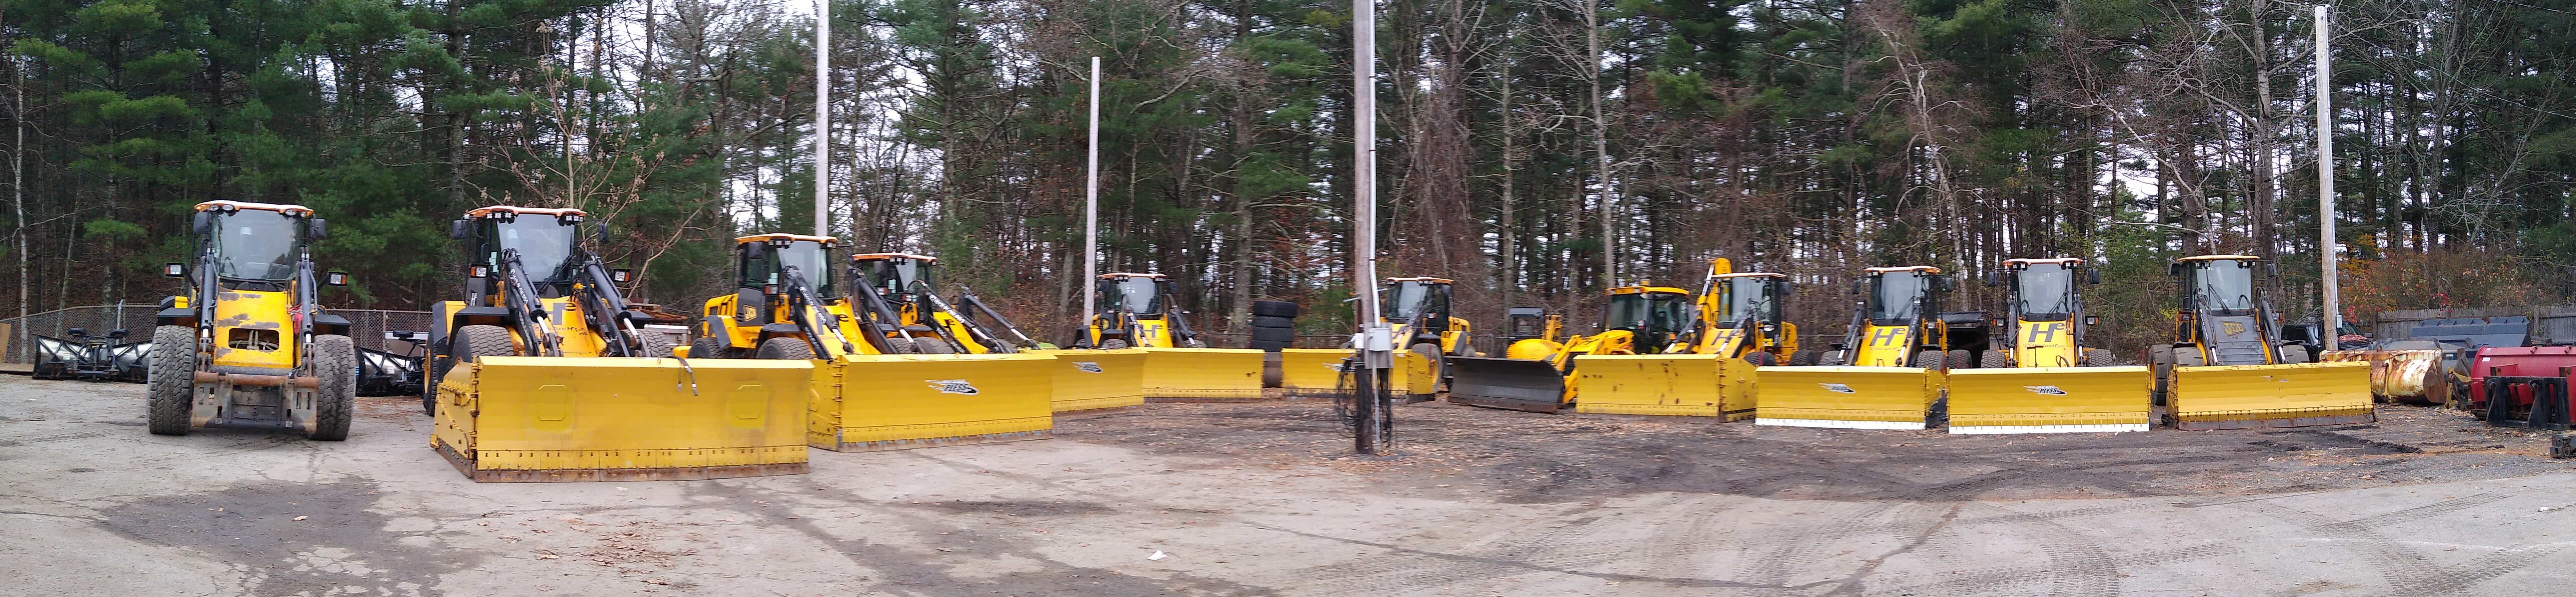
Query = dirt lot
x=1262 y=499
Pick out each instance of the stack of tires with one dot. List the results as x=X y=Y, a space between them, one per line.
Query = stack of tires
x=1274 y=327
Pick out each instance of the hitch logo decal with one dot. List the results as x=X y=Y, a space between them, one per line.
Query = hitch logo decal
x=952 y=386
x=1087 y=366
x=2045 y=390
x=1837 y=388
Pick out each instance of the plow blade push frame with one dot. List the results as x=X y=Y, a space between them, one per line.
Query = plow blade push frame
x=865 y=403
x=2264 y=396
x=537 y=419
x=1202 y=374
x=2050 y=400
x=1844 y=397
x=1512 y=384
x=1669 y=385
x=1097 y=380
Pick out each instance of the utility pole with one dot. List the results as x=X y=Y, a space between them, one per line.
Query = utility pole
x=1376 y=343
x=18 y=187
x=822 y=118
x=1091 y=208
x=2326 y=245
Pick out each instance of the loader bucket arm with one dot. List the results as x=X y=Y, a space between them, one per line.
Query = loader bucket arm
x=974 y=331
x=875 y=316
x=605 y=307
x=929 y=301
x=812 y=320
x=520 y=296
x=966 y=298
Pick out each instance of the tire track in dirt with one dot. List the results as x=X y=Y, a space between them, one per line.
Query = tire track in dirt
x=1993 y=579
x=1805 y=546
x=2403 y=567
x=1549 y=544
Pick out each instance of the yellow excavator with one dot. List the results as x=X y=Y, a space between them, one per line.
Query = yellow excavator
x=2038 y=376
x=1538 y=376
x=2229 y=366
x=249 y=346
x=544 y=373
x=1886 y=374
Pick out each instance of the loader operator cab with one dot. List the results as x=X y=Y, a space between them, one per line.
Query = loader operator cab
x=2045 y=321
x=531 y=290
x=1732 y=301
x=1655 y=315
x=1418 y=308
x=902 y=288
x=1136 y=311
x=2224 y=320
x=1899 y=322
x=785 y=291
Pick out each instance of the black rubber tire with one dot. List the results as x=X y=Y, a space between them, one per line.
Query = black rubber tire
x=1274 y=335
x=2095 y=357
x=1931 y=359
x=708 y=347
x=1274 y=309
x=335 y=360
x=901 y=345
x=485 y=341
x=933 y=345
x=785 y=348
x=1269 y=346
x=1802 y=358
x=1831 y=358
x=1956 y=360
x=653 y=345
x=173 y=384
x=1761 y=359
x=432 y=371
x=1113 y=344
x=1995 y=359
x=1273 y=321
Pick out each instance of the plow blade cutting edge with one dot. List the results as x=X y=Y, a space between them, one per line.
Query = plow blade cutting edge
x=2257 y=396
x=1091 y=380
x=1515 y=384
x=1846 y=397
x=2049 y=400
x=1202 y=374
x=867 y=403
x=1311 y=371
x=1678 y=385
x=512 y=419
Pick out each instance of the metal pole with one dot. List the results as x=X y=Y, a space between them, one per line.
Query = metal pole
x=1091 y=208
x=2326 y=245
x=822 y=117
x=1375 y=341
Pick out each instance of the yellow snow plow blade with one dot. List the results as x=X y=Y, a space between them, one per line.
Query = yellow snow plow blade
x=1413 y=380
x=1202 y=374
x=1098 y=379
x=2049 y=400
x=891 y=402
x=2252 y=396
x=1846 y=397
x=1311 y=371
x=511 y=419
x=1678 y=385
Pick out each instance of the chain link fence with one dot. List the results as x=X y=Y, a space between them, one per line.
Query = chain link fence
x=368 y=326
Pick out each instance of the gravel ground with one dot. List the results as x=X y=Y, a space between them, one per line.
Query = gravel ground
x=1262 y=499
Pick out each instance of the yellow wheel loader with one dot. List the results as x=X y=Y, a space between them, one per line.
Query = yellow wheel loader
x=1539 y=376
x=1740 y=316
x=906 y=283
x=786 y=305
x=1886 y=374
x=1535 y=333
x=248 y=346
x=2038 y=376
x=1737 y=326
x=1418 y=310
x=543 y=373
x=2229 y=366
x=1138 y=311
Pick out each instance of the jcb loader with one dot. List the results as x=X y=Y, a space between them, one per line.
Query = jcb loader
x=1740 y=316
x=786 y=305
x=542 y=372
x=907 y=283
x=1138 y=311
x=1736 y=326
x=249 y=346
x=2038 y=376
x=2229 y=367
x=1539 y=376
x=1888 y=372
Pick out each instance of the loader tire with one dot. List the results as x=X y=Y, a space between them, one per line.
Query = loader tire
x=173 y=379
x=1430 y=354
x=1995 y=359
x=901 y=345
x=933 y=345
x=2160 y=362
x=2095 y=357
x=1955 y=360
x=1831 y=358
x=1761 y=359
x=708 y=347
x=486 y=341
x=1113 y=344
x=1273 y=321
x=1931 y=359
x=786 y=348
x=654 y=345
x=1802 y=358
x=433 y=369
x=335 y=360
x=1274 y=309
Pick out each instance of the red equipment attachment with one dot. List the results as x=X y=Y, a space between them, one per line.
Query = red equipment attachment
x=2523 y=386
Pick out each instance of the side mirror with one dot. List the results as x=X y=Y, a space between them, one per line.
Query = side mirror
x=599 y=234
x=2092 y=276
x=457 y=229
x=2174 y=269
x=335 y=279
x=1945 y=283
x=174 y=270
x=203 y=223
x=621 y=276
x=2092 y=320
x=1994 y=279
x=1858 y=286
x=2271 y=270
x=1788 y=288
x=317 y=228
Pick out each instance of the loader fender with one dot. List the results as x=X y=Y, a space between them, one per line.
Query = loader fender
x=1843 y=397
x=519 y=419
x=2049 y=400
x=1681 y=385
x=892 y=402
x=2260 y=396
x=1202 y=374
